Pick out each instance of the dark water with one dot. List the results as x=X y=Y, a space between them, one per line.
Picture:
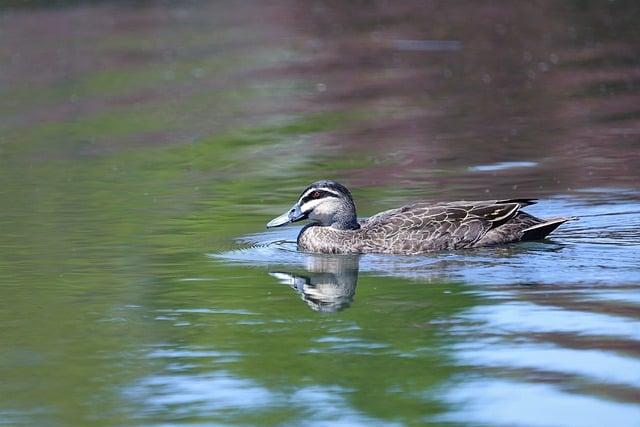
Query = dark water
x=144 y=145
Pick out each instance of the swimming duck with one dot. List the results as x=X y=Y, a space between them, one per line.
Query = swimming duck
x=411 y=229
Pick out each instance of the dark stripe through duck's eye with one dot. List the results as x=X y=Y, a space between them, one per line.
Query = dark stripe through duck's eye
x=315 y=195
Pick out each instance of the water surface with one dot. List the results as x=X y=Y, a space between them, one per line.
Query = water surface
x=144 y=145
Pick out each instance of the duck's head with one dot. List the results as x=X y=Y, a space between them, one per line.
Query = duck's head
x=328 y=203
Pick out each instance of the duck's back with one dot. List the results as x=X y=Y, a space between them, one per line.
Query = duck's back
x=424 y=227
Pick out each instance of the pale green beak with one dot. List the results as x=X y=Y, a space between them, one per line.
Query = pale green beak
x=292 y=215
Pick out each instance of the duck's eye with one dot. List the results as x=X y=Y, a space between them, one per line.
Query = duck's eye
x=315 y=194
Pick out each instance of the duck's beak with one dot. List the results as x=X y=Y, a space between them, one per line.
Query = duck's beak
x=292 y=215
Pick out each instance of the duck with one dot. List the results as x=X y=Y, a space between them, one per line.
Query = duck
x=416 y=228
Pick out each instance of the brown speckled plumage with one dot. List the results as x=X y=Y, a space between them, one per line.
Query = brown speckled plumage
x=412 y=229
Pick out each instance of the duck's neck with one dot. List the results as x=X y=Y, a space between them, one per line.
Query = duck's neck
x=346 y=219
x=352 y=225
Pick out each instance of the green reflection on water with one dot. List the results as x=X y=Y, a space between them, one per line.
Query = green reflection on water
x=97 y=255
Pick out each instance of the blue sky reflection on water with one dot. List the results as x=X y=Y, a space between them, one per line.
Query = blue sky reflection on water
x=502 y=402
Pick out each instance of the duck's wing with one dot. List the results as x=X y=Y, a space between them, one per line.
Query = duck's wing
x=521 y=202
x=420 y=227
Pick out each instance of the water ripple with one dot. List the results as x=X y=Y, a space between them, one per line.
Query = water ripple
x=509 y=403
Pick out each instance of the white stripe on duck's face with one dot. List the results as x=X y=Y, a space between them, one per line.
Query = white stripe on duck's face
x=318 y=192
x=320 y=204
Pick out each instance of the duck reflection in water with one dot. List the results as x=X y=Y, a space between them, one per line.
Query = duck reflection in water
x=327 y=283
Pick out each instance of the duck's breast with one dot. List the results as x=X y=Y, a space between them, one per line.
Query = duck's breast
x=328 y=240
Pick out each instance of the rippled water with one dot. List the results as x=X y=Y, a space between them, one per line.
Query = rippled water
x=551 y=337
x=144 y=146
x=600 y=248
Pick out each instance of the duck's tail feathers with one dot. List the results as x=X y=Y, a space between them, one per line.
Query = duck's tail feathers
x=542 y=230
